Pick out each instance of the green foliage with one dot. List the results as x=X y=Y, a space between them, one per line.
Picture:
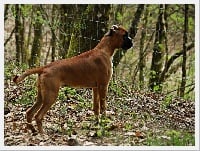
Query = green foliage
x=128 y=126
x=26 y=89
x=172 y=137
x=156 y=88
x=119 y=16
x=70 y=124
x=9 y=69
x=103 y=129
x=26 y=10
x=191 y=24
x=115 y=88
x=38 y=18
x=29 y=95
x=161 y=46
x=152 y=73
x=61 y=95
x=102 y=132
x=70 y=91
x=29 y=92
x=89 y=9
x=167 y=101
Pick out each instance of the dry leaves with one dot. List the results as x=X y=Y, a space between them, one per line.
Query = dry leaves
x=130 y=121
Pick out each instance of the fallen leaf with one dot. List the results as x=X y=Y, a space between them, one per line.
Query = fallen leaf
x=139 y=134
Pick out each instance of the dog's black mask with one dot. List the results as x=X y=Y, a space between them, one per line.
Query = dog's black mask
x=127 y=42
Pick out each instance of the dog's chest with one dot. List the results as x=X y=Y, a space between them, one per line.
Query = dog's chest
x=111 y=65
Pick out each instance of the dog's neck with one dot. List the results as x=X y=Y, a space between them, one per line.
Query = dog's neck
x=106 y=46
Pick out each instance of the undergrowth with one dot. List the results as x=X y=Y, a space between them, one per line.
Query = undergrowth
x=135 y=118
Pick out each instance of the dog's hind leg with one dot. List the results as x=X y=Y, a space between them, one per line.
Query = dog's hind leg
x=31 y=111
x=49 y=94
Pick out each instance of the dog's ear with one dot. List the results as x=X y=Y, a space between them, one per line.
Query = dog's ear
x=112 y=30
x=115 y=27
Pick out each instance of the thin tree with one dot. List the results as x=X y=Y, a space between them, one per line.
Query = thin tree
x=75 y=39
x=158 y=51
x=133 y=31
x=67 y=18
x=17 y=33
x=36 y=46
x=22 y=34
x=51 y=20
x=141 y=63
x=170 y=61
x=29 y=37
x=183 y=81
x=6 y=8
x=96 y=27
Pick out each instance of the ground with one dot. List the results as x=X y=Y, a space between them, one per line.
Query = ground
x=136 y=118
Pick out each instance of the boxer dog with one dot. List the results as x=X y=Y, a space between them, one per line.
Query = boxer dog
x=91 y=69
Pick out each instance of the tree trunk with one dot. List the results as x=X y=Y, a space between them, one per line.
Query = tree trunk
x=115 y=11
x=53 y=39
x=6 y=6
x=141 y=63
x=133 y=31
x=66 y=28
x=158 y=52
x=22 y=34
x=96 y=27
x=52 y=25
x=183 y=82
x=29 y=38
x=36 y=47
x=97 y=15
x=162 y=75
x=17 y=33
x=76 y=37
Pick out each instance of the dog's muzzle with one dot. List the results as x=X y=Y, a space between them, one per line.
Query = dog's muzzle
x=127 y=43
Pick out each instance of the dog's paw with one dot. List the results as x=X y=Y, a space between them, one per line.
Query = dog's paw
x=15 y=78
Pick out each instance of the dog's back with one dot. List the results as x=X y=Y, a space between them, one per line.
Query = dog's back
x=85 y=70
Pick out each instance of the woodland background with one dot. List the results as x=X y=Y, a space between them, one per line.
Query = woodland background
x=151 y=94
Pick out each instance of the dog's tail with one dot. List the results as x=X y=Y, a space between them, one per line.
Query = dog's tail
x=28 y=72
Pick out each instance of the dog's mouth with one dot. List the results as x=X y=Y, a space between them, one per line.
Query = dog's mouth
x=127 y=43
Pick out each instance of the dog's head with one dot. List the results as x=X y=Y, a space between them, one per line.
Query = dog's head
x=121 y=37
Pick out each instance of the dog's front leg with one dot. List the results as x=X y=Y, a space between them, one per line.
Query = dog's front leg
x=96 y=103
x=102 y=97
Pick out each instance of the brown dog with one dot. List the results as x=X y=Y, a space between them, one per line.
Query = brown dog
x=91 y=69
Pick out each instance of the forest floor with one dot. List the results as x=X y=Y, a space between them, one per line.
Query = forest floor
x=133 y=119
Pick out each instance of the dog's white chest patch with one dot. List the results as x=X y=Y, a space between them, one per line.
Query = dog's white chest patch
x=111 y=65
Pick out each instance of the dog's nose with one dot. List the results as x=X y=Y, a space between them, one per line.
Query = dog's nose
x=127 y=43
